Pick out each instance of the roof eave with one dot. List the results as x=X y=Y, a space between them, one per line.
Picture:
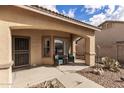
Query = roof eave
x=112 y=21
x=57 y=17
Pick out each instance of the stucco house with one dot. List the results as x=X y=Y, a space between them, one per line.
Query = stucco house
x=29 y=35
x=109 y=42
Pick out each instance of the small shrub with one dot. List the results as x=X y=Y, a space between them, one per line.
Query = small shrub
x=110 y=64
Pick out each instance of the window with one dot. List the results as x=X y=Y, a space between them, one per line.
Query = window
x=46 y=46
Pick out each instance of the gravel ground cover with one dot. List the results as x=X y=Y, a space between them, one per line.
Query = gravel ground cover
x=54 y=83
x=108 y=79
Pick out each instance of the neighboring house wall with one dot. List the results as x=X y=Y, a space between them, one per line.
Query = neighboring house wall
x=80 y=49
x=109 y=42
x=110 y=39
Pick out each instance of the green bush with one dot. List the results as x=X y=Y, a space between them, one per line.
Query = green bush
x=110 y=64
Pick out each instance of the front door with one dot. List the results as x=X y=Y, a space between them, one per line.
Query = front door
x=59 y=47
x=20 y=51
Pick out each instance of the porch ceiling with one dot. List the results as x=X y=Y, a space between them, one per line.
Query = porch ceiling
x=41 y=28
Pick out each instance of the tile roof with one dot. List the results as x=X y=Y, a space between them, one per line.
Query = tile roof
x=59 y=15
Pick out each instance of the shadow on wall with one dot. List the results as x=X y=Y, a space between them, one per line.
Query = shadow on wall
x=80 y=49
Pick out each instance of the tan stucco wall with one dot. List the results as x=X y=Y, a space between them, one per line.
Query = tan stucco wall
x=6 y=78
x=36 y=44
x=107 y=50
x=107 y=39
x=5 y=52
x=5 y=55
x=111 y=35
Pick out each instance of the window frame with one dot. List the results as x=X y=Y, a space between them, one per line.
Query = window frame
x=43 y=46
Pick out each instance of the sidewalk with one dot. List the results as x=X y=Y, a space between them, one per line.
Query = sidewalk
x=26 y=77
x=74 y=80
x=69 y=79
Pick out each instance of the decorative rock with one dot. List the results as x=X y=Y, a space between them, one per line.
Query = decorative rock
x=47 y=84
x=54 y=83
x=98 y=71
x=108 y=80
x=122 y=78
x=95 y=71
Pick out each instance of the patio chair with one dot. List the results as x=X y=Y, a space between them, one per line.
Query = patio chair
x=70 y=58
x=59 y=59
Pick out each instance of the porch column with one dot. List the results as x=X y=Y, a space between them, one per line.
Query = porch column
x=90 y=51
x=52 y=48
x=5 y=56
x=74 y=49
x=73 y=46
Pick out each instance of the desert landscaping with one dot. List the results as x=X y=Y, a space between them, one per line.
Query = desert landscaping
x=108 y=78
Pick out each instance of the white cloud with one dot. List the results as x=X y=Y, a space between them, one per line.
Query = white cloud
x=119 y=14
x=90 y=9
x=85 y=21
x=50 y=7
x=70 y=13
x=110 y=14
x=97 y=19
x=110 y=9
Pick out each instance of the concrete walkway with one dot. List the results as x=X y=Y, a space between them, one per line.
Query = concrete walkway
x=24 y=78
x=72 y=67
x=74 y=80
x=65 y=74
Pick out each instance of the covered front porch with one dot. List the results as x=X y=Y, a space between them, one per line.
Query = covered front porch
x=34 y=47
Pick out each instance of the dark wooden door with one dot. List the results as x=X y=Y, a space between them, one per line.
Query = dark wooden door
x=20 y=51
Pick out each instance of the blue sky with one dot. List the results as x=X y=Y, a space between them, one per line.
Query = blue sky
x=91 y=14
